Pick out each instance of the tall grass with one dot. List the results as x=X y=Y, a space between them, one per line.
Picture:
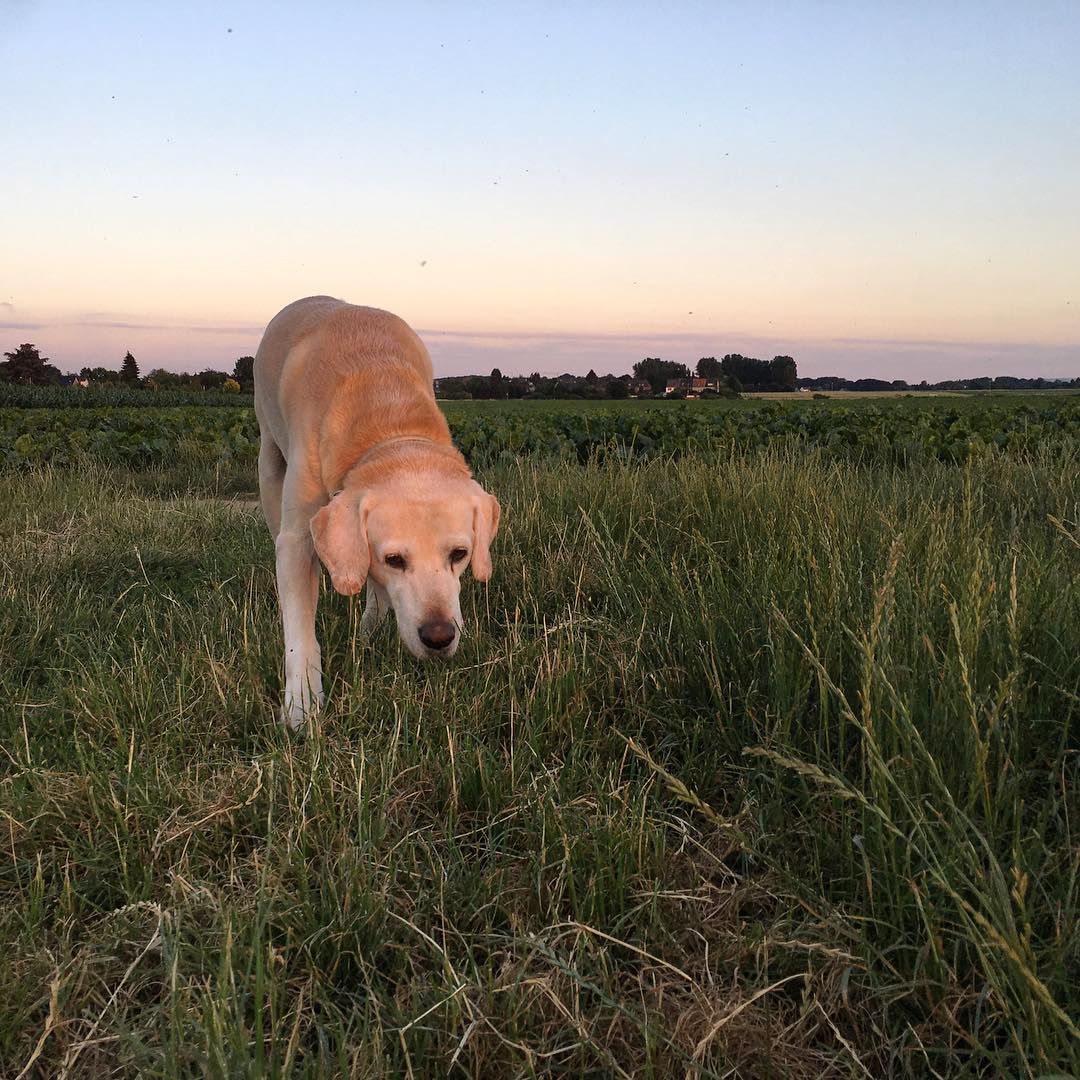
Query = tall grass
x=750 y=765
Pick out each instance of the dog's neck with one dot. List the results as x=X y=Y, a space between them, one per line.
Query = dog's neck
x=369 y=422
x=380 y=462
x=385 y=445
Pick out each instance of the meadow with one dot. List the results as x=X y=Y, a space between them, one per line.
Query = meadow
x=760 y=757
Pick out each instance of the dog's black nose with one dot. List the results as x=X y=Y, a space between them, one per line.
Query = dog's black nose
x=437 y=635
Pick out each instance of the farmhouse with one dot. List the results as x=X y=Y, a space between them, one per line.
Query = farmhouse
x=692 y=387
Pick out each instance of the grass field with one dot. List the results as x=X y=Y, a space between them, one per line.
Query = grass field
x=756 y=763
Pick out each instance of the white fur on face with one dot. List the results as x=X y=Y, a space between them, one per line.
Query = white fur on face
x=424 y=533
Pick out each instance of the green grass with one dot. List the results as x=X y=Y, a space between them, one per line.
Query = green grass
x=757 y=764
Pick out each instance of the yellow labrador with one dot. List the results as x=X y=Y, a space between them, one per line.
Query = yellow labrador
x=356 y=466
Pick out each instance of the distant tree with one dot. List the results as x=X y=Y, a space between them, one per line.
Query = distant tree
x=541 y=387
x=244 y=372
x=479 y=386
x=657 y=372
x=27 y=365
x=129 y=370
x=825 y=382
x=498 y=390
x=99 y=376
x=751 y=374
x=708 y=367
x=210 y=379
x=592 y=377
x=160 y=379
x=230 y=386
x=650 y=370
x=618 y=389
x=783 y=372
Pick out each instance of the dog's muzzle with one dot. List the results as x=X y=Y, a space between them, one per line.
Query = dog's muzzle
x=437 y=635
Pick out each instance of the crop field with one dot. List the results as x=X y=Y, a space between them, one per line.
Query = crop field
x=490 y=432
x=15 y=395
x=760 y=757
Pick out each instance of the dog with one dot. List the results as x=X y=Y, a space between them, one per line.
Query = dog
x=357 y=469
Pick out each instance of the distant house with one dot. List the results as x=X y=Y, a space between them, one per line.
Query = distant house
x=73 y=380
x=640 y=386
x=692 y=387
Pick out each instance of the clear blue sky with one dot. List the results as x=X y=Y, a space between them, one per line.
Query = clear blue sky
x=873 y=188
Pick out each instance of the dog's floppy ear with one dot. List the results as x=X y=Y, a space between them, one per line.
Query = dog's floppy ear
x=339 y=530
x=486 y=514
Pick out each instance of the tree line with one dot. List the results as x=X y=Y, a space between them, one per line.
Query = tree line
x=497 y=387
x=981 y=382
x=727 y=376
x=650 y=377
x=26 y=366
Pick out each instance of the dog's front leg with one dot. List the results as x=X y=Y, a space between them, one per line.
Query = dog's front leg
x=298 y=593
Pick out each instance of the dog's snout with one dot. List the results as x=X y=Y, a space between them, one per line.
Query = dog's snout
x=437 y=635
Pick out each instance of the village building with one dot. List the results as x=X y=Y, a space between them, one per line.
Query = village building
x=692 y=387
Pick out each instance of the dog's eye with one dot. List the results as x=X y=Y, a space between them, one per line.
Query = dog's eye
x=457 y=555
x=396 y=561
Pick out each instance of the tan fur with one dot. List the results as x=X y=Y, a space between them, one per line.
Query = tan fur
x=356 y=464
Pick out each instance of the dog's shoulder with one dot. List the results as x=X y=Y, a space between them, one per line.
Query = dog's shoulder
x=352 y=327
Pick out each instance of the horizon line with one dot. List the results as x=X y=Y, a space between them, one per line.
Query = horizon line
x=686 y=336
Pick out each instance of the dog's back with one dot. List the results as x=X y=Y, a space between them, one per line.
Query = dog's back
x=332 y=377
x=320 y=349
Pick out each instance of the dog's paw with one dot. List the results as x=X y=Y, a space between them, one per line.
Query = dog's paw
x=292 y=720
x=296 y=712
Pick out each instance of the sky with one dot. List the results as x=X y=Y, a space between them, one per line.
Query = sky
x=877 y=189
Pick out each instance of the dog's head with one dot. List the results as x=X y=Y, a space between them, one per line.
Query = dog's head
x=414 y=539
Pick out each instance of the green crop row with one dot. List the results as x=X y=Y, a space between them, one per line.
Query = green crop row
x=16 y=395
x=126 y=436
x=944 y=432
x=885 y=433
